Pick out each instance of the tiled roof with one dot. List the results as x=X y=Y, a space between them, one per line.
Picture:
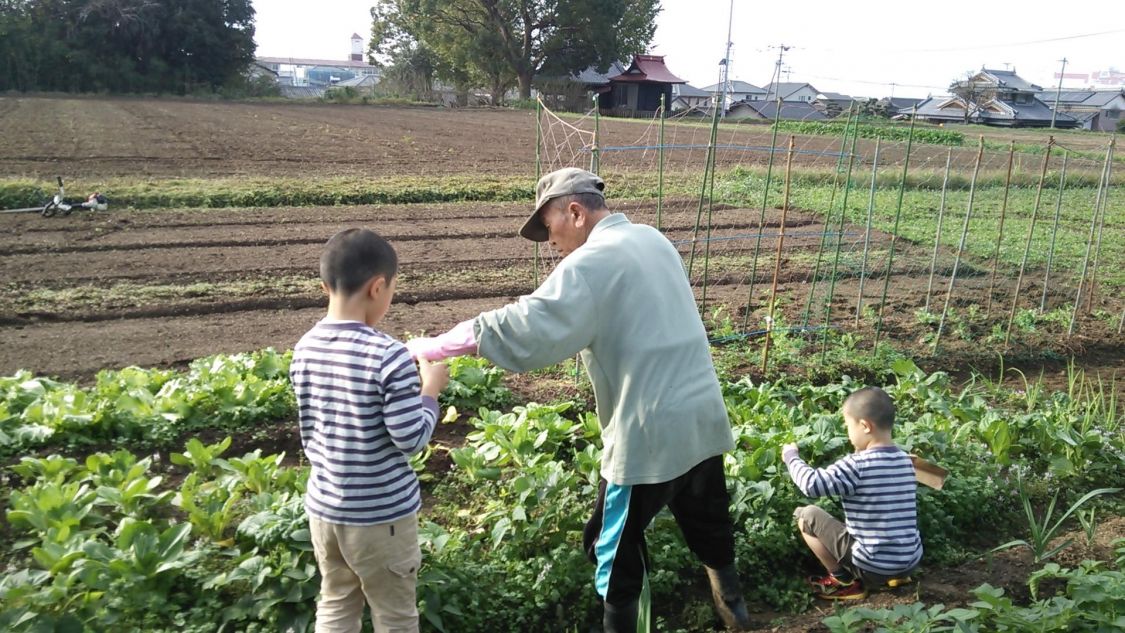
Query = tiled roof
x=738 y=86
x=687 y=90
x=648 y=68
x=790 y=111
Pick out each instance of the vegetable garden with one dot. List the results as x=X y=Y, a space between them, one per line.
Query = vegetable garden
x=168 y=498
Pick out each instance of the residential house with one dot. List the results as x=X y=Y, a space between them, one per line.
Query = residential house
x=900 y=105
x=638 y=90
x=833 y=103
x=686 y=97
x=787 y=91
x=1097 y=110
x=767 y=111
x=739 y=91
x=993 y=97
x=572 y=93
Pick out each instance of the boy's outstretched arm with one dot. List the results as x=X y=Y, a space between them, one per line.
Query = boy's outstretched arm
x=837 y=480
x=410 y=417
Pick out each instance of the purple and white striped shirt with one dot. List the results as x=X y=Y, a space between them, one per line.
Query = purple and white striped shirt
x=361 y=416
x=879 y=491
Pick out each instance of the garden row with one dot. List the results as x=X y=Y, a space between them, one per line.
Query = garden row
x=155 y=544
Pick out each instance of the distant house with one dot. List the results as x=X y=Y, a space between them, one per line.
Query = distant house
x=786 y=91
x=363 y=82
x=1097 y=110
x=573 y=92
x=739 y=91
x=767 y=111
x=637 y=90
x=900 y=105
x=1000 y=97
x=319 y=73
x=687 y=97
x=833 y=103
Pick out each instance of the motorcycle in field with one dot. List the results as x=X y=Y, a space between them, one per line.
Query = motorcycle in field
x=58 y=204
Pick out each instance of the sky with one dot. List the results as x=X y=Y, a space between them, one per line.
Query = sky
x=870 y=48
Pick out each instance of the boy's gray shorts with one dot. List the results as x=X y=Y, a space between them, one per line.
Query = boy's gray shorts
x=834 y=535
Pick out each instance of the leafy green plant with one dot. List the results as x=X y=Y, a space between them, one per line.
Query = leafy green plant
x=1042 y=531
x=475 y=383
x=210 y=507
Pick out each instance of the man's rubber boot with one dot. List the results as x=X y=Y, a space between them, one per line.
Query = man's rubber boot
x=620 y=618
x=727 y=593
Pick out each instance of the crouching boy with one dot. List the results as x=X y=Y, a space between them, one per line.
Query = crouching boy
x=879 y=540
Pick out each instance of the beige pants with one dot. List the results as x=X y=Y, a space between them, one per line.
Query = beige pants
x=376 y=562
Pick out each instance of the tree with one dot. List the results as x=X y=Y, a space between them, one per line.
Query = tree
x=1121 y=125
x=499 y=43
x=973 y=92
x=124 y=45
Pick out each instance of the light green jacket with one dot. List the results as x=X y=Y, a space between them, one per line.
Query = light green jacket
x=622 y=300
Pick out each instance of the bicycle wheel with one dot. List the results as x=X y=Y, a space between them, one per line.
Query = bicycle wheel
x=49 y=209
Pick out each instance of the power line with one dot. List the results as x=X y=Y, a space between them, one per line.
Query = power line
x=878 y=83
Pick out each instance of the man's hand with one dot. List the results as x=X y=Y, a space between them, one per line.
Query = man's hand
x=789 y=452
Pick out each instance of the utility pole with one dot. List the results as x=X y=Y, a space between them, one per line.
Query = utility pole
x=1058 y=92
x=724 y=72
x=781 y=48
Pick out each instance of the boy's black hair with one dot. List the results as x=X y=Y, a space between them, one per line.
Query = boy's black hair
x=353 y=257
x=872 y=404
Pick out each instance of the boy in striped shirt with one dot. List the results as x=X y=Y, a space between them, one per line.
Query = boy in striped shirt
x=879 y=540
x=363 y=409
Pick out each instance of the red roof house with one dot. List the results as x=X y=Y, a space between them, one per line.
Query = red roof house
x=637 y=91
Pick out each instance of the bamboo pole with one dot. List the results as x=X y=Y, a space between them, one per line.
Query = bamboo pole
x=595 y=152
x=1090 y=241
x=867 y=233
x=1054 y=232
x=777 y=256
x=839 y=243
x=660 y=172
x=1101 y=229
x=1000 y=233
x=937 y=236
x=1027 y=245
x=828 y=215
x=762 y=216
x=710 y=208
x=961 y=246
x=894 y=232
x=703 y=189
x=538 y=168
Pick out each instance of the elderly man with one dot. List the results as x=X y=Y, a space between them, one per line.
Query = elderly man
x=620 y=298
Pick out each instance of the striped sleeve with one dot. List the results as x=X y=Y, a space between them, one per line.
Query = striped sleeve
x=409 y=416
x=839 y=479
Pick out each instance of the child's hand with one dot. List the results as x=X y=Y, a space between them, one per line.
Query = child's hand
x=788 y=452
x=435 y=376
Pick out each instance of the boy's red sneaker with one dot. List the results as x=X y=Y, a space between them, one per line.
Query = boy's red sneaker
x=827 y=587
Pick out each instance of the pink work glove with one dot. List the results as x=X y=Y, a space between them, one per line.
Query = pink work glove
x=456 y=342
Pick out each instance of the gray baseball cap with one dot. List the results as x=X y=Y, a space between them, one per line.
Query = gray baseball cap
x=563 y=182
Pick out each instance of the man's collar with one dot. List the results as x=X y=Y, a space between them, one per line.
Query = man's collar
x=613 y=219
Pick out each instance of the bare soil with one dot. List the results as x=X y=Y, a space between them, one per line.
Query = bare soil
x=174 y=138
